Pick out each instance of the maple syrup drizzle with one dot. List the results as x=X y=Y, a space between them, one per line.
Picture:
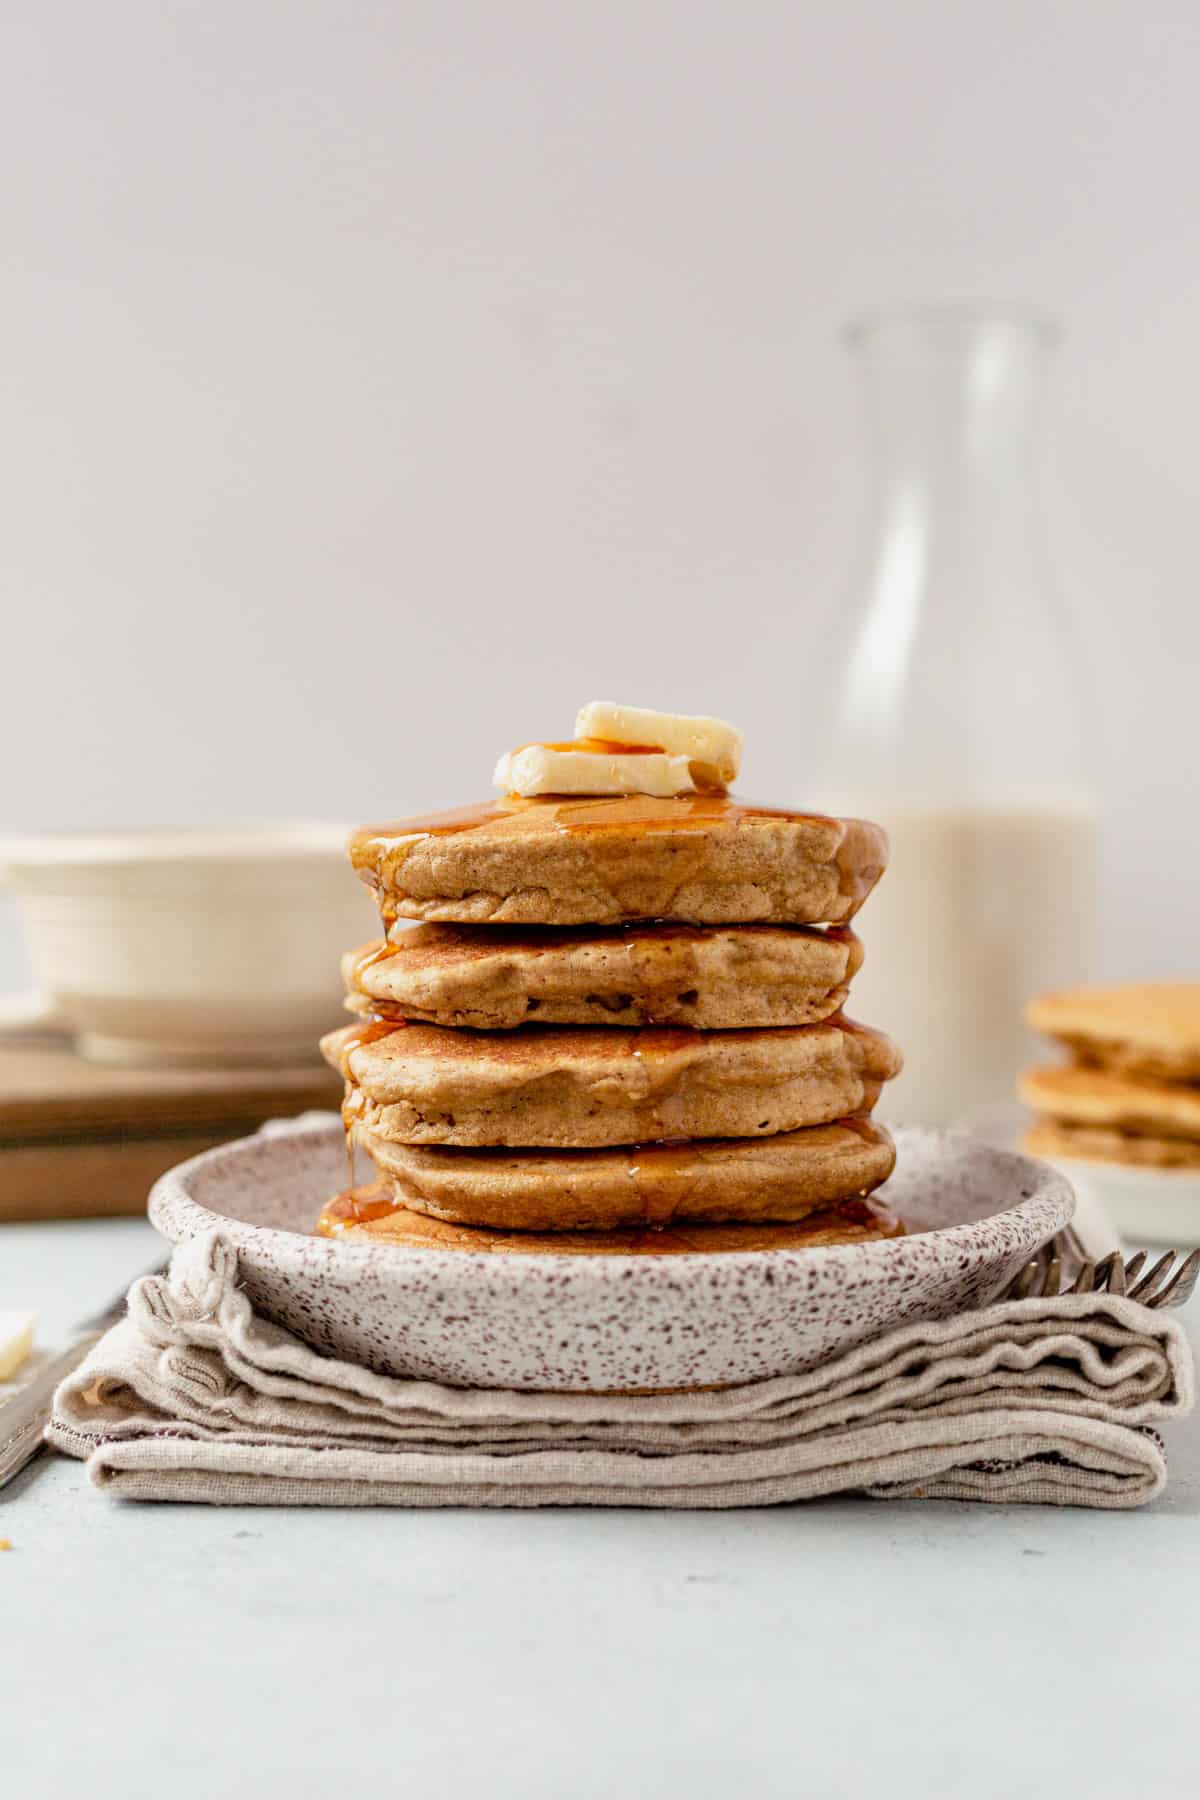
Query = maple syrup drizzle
x=569 y=813
x=865 y=1127
x=658 y=1049
x=851 y=1028
x=387 y=1012
x=859 y=853
x=353 y=1105
x=663 y=1176
x=356 y=1206
x=662 y=964
x=370 y=843
x=360 y=1205
x=369 y=958
x=597 y=747
x=683 y=812
x=368 y=1031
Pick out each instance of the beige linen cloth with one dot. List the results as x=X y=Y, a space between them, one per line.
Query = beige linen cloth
x=194 y=1396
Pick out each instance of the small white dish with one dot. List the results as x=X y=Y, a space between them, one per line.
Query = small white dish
x=1146 y=1206
x=975 y=1215
x=178 y=946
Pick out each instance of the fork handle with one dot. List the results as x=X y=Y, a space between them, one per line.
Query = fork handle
x=24 y=1417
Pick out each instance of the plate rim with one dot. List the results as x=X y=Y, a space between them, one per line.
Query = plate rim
x=1049 y=1206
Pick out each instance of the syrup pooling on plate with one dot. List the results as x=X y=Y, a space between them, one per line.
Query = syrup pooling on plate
x=356 y=1206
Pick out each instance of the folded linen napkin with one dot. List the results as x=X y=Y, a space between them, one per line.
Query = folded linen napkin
x=194 y=1396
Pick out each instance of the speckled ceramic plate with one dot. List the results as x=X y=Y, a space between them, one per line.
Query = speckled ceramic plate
x=601 y=1322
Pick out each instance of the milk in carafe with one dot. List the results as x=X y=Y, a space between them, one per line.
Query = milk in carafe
x=947 y=709
x=980 y=909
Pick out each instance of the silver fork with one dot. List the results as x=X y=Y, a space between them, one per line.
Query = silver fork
x=1164 y=1283
x=25 y=1413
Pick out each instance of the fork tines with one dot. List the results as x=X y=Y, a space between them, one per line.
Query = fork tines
x=1162 y=1284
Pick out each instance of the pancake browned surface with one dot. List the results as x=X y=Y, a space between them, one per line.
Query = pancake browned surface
x=1125 y=1103
x=704 y=859
x=1147 y=1028
x=494 y=978
x=367 y=1216
x=1098 y=1143
x=783 y=1177
x=566 y=1087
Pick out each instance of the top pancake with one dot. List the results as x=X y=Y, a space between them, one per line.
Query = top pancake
x=1150 y=1028
x=706 y=859
x=493 y=977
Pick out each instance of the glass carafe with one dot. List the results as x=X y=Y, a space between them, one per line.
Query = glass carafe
x=955 y=714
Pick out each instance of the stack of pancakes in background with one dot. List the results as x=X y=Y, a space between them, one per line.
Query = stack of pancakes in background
x=1131 y=1093
x=619 y=1026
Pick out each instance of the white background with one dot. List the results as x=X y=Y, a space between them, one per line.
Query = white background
x=382 y=380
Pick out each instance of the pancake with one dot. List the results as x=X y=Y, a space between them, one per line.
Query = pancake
x=494 y=978
x=369 y=1216
x=1098 y=1143
x=1150 y=1028
x=1126 y=1103
x=566 y=1087
x=704 y=859
x=777 y=1178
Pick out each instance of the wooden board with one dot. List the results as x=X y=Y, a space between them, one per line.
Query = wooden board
x=81 y=1139
x=46 y=1090
x=84 y=1180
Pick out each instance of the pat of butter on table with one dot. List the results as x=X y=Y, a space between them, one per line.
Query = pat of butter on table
x=16 y=1341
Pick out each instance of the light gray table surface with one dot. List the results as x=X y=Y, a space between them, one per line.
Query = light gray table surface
x=837 y=1647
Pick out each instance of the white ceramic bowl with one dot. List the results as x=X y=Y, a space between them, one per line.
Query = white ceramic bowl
x=1147 y=1206
x=206 y=946
x=609 y=1322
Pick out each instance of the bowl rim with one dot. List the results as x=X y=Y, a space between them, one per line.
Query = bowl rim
x=235 y=841
x=1034 y=1218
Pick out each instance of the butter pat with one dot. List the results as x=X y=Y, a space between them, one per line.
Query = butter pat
x=16 y=1341
x=538 y=769
x=713 y=748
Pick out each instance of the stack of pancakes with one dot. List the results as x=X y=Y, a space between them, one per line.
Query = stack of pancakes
x=1131 y=1093
x=618 y=1028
